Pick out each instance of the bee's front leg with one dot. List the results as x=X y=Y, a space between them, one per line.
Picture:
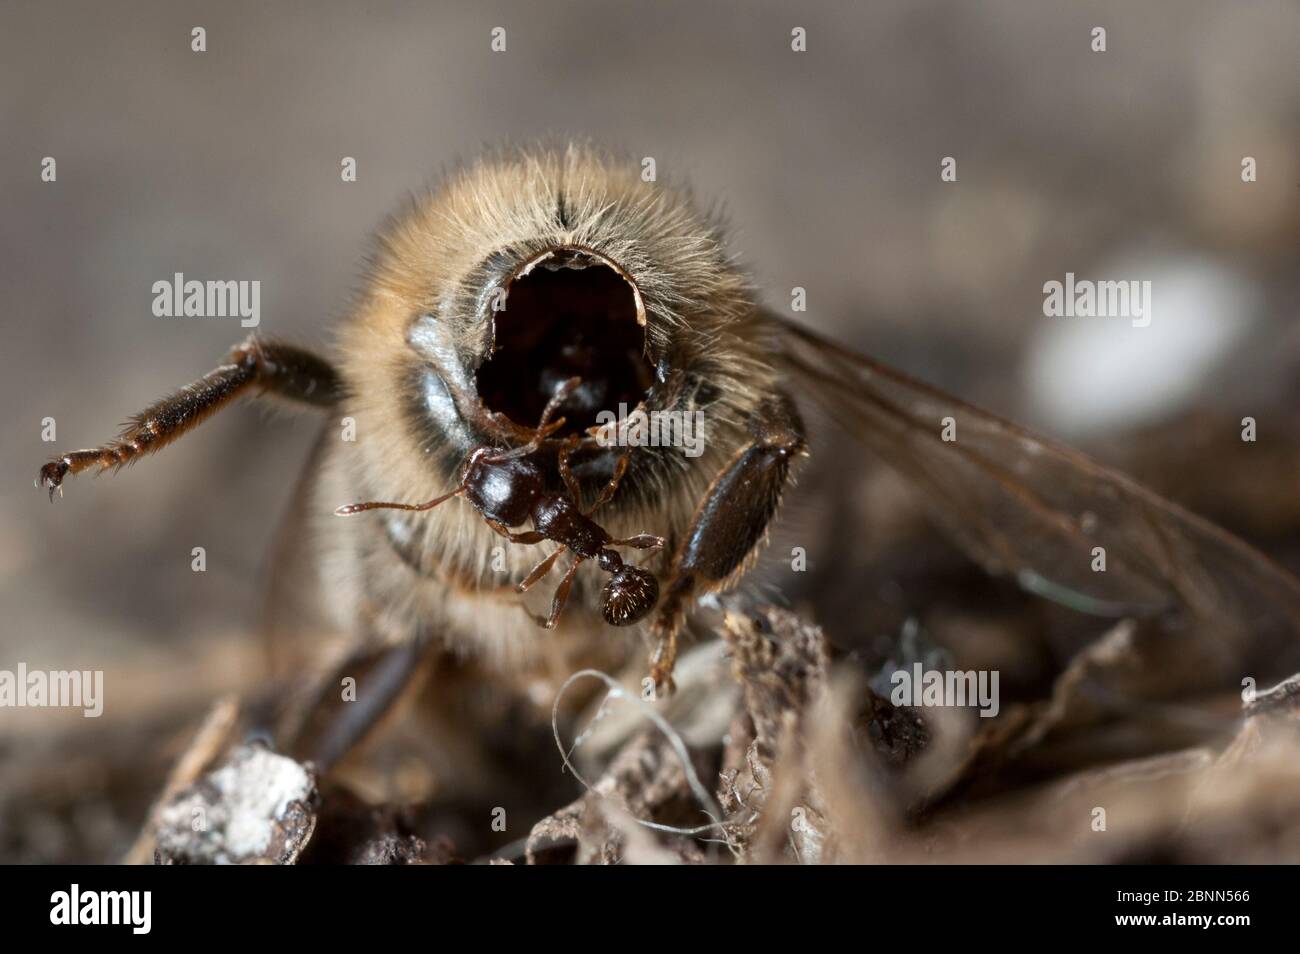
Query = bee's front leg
x=729 y=524
x=265 y=366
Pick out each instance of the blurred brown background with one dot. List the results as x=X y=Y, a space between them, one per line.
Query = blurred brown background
x=225 y=164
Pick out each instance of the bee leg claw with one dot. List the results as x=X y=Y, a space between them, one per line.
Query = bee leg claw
x=51 y=477
x=663 y=680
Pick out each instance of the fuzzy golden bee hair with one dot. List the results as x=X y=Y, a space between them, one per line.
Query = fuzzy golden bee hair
x=447 y=271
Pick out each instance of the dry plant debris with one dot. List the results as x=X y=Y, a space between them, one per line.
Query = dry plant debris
x=778 y=750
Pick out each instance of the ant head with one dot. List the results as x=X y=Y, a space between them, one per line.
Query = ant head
x=629 y=595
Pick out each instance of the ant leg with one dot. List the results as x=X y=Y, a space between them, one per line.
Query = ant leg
x=566 y=473
x=545 y=427
x=562 y=594
x=541 y=434
x=539 y=571
x=553 y=405
x=642 y=541
x=607 y=493
x=528 y=536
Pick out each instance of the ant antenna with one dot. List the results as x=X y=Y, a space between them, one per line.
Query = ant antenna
x=350 y=509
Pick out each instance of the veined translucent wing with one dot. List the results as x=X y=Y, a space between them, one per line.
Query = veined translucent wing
x=1038 y=511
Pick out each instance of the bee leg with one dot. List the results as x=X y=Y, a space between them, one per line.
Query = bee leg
x=265 y=365
x=333 y=729
x=729 y=524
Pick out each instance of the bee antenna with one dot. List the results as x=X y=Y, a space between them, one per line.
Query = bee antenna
x=350 y=509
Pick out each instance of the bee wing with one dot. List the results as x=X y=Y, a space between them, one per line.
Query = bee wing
x=1026 y=506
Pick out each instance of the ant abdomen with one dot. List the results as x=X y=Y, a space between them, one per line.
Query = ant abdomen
x=629 y=595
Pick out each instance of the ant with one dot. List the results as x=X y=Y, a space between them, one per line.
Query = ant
x=507 y=487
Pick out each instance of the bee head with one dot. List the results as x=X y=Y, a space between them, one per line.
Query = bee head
x=532 y=268
x=565 y=313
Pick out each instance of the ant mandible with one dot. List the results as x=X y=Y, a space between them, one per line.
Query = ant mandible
x=507 y=487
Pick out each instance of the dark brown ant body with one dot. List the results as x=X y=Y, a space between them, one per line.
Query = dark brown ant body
x=508 y=487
